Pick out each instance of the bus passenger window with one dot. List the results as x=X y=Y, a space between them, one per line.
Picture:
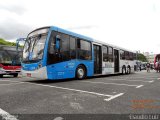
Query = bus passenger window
x=127 y=55
x=130 y=56
x=64 y=49
x=84 y=52
x=110 y=54
x=105 y=53
x=122 y=55
x=134 y=56
x=72 y=48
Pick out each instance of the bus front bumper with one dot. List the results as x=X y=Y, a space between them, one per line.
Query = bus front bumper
x=40 y=73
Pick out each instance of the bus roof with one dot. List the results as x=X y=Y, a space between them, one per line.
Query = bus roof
x=114 y=46
x=71 y=33
x=81 y=36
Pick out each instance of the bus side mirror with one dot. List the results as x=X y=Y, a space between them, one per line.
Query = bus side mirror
x=58 y=42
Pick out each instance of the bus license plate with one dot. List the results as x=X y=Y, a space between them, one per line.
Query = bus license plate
x=28 y=74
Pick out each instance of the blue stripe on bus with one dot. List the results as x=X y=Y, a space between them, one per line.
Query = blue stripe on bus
x=67 y=69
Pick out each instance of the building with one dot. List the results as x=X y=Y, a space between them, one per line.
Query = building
x=150 y=56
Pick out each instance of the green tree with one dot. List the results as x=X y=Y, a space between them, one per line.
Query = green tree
x=141 y=57
x=4 y=42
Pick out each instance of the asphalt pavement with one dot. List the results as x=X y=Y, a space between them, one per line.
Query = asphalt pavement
x=24 y=98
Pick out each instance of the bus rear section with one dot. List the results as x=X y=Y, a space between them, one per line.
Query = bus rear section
x=10 y=60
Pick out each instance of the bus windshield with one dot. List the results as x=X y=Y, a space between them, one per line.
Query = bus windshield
x=34 y=47
x=9 y=55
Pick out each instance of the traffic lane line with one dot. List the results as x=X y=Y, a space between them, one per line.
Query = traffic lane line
x=138 y=80
x=70 y=89
x=137 y=86
x=128 y=80
x=134 y=77
x=111 y=97
x=57 y=101
x=147 y=78
x=98 y=88
x=137 y=77
x=6 y=116
x=77 y=90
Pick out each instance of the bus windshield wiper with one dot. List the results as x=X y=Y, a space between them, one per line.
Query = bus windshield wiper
x=36 y=40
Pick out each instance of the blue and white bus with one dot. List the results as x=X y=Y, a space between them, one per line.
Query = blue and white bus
x=54 y=53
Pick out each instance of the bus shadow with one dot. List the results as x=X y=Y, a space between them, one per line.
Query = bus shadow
x=46 y=81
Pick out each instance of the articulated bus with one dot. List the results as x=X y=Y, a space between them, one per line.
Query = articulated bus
x=54 y=53
x=10 y=60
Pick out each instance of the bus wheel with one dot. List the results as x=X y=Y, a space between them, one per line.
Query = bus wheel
x=128 y=70
x=80 y=72
x=1 y=76
x=123 y=70
x=15 y=75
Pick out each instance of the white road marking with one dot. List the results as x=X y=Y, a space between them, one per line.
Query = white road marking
x=70 y=89
x=82 y=91
x=139 y=86
x=128 y=80
x=151 y=81
x=6 y=116
x=115 y=79
x=145 y=77
x=114 y=96
x=67 y=89
x=110 y=83
x=76 y=90
x=135 y=77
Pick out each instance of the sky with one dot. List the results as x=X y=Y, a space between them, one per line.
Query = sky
x=131 y=24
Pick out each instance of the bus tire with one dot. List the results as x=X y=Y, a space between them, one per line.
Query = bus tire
x=128 y=70
x=123 y=70
x=1 y=76
x=81 y=72
x=15 y=75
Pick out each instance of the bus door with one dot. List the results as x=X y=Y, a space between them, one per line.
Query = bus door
x=116 y=60
x=97 y=59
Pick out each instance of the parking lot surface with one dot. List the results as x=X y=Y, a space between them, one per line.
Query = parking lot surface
x=136 y=93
